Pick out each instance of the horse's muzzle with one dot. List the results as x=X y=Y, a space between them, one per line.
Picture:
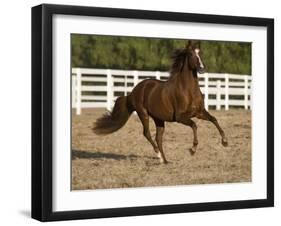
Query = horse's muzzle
x=201 y=70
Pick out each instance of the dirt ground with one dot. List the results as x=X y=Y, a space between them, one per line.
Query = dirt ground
x=126 y=158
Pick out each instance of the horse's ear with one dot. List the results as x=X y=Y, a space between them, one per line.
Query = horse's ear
x=188 y=45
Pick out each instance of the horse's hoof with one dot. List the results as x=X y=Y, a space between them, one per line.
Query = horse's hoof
x=192 y=151
x=224 y=142
x=164 y=161
x=159 y=155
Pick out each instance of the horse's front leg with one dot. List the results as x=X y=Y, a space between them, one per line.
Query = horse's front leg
x=205 y=115
x=188 y=122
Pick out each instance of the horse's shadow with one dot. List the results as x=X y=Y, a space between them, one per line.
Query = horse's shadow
x=81 y=154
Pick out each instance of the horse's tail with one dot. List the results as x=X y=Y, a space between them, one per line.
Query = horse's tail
x=114 y=120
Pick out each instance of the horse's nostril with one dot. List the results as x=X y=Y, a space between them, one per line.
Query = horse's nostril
x=201 y=70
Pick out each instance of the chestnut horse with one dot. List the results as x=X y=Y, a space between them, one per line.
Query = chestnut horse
x=176 y=100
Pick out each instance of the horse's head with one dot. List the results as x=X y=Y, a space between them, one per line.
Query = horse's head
x=195 y=61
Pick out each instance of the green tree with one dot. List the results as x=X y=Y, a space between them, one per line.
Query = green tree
x=155 y=54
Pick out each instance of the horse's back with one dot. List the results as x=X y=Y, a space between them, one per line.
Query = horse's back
x=142 y=90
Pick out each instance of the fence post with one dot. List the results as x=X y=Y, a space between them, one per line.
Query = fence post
x=206 y=91
x=109 y=90
x=246 y=91
x=157 y=75
x=78 y=91
x=136 y=78
x=73 y=90
x=226 y=93
x=218 y=107
x=125 y=85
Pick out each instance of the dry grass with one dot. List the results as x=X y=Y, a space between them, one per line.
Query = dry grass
x=126 y=159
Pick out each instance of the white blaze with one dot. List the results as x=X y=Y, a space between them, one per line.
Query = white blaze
x=197 y=54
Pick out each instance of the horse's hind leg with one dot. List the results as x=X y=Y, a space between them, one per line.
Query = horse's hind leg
x=188 y=122
x=205 y=115
x=145 y=122
x=160 y=126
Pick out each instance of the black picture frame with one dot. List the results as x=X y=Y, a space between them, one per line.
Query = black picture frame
x=42 y=107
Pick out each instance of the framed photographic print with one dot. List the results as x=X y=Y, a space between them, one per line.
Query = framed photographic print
x=146 y=112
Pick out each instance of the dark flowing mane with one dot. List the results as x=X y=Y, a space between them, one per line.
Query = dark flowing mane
x=179 y=59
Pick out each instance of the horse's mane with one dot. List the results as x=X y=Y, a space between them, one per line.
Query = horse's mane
x=179 y=59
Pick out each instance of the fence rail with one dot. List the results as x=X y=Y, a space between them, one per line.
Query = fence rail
x=93 y=88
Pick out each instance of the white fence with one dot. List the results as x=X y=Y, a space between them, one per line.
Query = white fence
x=92 y=88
